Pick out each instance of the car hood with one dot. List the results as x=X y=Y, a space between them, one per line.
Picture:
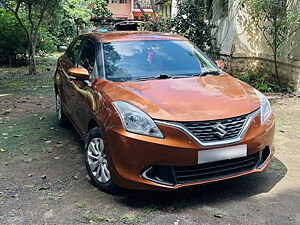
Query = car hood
x=187 y=99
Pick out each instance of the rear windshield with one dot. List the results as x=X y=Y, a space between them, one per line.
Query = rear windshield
x=125 y=61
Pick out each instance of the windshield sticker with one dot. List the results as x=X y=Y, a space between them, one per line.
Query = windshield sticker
x=150 y=57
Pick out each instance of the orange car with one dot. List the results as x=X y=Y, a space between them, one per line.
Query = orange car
x=157 y=114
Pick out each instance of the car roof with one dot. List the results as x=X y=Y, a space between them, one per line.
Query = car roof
x=114 y=36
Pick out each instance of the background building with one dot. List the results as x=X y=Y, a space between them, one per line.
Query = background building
x=128 y=9
x=168 y=8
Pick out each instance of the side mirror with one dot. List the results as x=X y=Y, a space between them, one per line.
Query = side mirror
x=220 y=64
x=79 y=73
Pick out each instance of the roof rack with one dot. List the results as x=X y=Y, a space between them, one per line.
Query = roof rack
x=128 y=25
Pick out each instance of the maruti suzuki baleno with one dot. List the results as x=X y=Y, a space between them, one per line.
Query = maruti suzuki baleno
x=157 y=114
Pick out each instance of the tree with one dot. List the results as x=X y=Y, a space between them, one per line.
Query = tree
x=100 y=10
x=10 y=27
x=276 y=22
x=76 y=14
x=31 y=14
x=193 y=22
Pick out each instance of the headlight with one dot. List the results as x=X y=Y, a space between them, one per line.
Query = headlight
x=265 y=106
x=136 y=121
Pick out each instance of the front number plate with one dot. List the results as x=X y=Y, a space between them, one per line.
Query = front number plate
x=219 y=154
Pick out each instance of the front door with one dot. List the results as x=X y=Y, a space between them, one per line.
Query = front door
x=70 y=60
x=82 y=90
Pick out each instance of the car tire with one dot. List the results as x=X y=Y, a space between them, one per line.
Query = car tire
x=62 y=118
x=97 y=163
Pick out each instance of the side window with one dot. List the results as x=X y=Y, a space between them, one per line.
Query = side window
x=73 y=52
x=88 y=56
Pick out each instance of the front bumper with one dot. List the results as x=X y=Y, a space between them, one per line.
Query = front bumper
x=174 y=175
x=140 y=162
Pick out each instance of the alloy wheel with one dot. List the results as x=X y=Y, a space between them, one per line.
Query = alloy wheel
x=97 y=160
x=58 y=107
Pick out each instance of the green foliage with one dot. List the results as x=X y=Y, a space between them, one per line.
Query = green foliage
x=262 y=81
x=31 y=15
x=46 y=42
x=159 y=24
x=192 y=22
x=256 y=79
x=40 y=26
x=12 y=37
x=276 y=21
x=131 y=219
x=90 y=216
x=75 y=15
x=100 y=10
x=10 y=27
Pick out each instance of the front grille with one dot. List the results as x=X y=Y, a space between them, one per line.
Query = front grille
x=172 y=175
x=205 y=130
x=185 y=174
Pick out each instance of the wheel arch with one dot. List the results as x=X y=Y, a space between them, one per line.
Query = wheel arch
x=55 y=88
x=92 y=124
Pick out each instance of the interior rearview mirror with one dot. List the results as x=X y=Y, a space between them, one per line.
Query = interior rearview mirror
x=78 y=73
x=220 y=64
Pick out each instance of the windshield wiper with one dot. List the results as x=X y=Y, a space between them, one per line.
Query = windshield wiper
x=161 y=76
x=164 y=76
x=207 y=73
x=180 y=76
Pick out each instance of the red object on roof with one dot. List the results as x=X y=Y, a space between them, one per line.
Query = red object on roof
x=139 y=13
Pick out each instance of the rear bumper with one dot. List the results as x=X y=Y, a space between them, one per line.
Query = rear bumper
x=140 y=162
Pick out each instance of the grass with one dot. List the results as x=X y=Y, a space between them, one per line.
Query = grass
x=179 y=205
x=80 y=204
x=18 y=80
x=28 y=159
x=274 y=166
x=90 y=216
x=28 y=186
x=131 y=218
x=28 y=87
x=25 y=150
x=148 y=210
x=49 y=59
x=25 y=134
x=22 y=83
x=46 y=150
x=53 y=197
x=21 y=135
x=245 y=216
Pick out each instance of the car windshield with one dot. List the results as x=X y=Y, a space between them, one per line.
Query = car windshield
x=134 y=60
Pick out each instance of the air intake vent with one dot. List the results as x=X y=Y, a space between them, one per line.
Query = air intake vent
x=214 y=170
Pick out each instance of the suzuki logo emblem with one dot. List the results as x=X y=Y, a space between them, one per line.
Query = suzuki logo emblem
x=220 y=130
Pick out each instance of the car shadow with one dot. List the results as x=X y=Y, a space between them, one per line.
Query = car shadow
x=222 y=191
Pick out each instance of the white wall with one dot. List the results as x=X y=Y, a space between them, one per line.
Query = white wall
x=236 y=36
